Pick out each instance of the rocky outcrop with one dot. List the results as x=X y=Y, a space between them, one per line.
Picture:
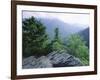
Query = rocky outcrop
x=27 y=62
x=54 y=59
x=32 y=62
x=42 y=62
x=63 y=59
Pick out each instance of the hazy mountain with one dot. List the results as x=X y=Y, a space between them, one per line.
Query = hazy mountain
x=65 y=29
x=85 y=34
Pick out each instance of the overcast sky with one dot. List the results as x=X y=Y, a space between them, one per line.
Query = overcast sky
x=65 y=17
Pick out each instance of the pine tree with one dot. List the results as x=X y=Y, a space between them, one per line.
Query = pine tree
x=34 y=37
x=77 y=47
x=56 y=34
x=56 y=44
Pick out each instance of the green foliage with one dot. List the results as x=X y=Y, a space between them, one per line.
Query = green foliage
x=56 y=43
x=34 y=37
x=56 y=37
x=55 y=46
x=76 y=46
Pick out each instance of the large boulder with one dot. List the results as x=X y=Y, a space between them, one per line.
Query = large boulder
x=32 y=62
x=63 y=59
x=42 y=62
x=27 y=62
x=53 y=59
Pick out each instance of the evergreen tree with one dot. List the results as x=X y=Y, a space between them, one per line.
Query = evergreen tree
x=76 y=46
x=56 y=44
x=56 y=34
x=34 y=37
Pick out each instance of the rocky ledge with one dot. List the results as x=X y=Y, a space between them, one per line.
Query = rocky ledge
x=54 y=59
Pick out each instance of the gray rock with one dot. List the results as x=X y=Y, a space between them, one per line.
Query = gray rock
x=74 y=62
x=28 y=66
x=28 y=60
x=63 y=59
x=43 y=62
x=32 y=62
x=54 y=59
